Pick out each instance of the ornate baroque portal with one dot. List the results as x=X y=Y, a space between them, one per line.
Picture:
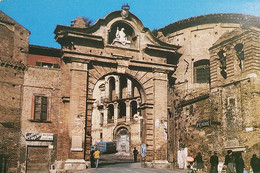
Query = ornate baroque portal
x=116 y=73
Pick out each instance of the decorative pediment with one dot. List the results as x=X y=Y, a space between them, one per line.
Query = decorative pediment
x=120 y=32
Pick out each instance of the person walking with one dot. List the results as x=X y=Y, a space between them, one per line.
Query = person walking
x=255 y=164
x=97 y=156
x=135 y=152
x=92 y=159
x=199 y=162
x=229 y=162
x=240 y=165
x=214 y=163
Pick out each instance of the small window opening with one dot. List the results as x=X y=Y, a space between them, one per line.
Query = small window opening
x=122 y=110
x=133 y=109
x=201 y=71
x=110 y=114
x=240 y=54
x=222 y=60
x=111 y=88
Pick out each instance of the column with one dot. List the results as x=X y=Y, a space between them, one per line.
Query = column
x=105 y=115
x=115 y=112
x=160 y=114
x=129 y=88
x=128 y=111
x=117 y=86
x=106 y=88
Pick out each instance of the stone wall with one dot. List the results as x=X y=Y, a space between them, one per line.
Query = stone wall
x=224 y=103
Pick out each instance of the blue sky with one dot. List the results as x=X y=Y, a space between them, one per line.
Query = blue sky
x=41 y=16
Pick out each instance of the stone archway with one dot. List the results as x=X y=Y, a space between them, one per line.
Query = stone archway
x=123 y=143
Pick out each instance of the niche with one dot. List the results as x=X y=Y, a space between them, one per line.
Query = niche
x=122 y=35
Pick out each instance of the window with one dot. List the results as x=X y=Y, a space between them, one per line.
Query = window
x=201 y=71
x=111 y=88
x=240 y=54
x=133 y=109
x=123 y=87
x=110 y=114
x=222 y=60
x=47 y=65
x=41 y=108
x=101 y=136
x=122 y=109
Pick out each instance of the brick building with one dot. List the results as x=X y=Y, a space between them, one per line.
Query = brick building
x=213 y=102
x=13 y=59
x=194 y=87
x=41 y=126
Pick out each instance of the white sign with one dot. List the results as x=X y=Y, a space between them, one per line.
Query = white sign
x=143 y=148
x=249 y=129
x=39 y=137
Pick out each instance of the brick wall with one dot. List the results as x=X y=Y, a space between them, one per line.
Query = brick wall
x=13 y=48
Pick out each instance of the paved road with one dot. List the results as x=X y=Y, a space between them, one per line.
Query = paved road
x=117 y=163
x=127 y=168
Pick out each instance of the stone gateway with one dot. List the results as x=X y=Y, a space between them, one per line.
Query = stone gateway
x=191 y=87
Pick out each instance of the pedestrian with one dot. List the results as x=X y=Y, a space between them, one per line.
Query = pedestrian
x=97 y=156
x=92 y=159
x=255 y=164
x=229 y=162
x=135 y=152
x=214 y=163
x=199 y=162
x=240 y=165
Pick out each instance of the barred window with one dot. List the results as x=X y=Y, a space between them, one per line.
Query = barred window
x=201 y=71
x=41 y=108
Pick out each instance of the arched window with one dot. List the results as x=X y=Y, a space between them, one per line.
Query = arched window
x=122 y=110
x=134 y=90
x=123 y=87
x=201 y=71
x=133 y=109
x=111 y=88
x=240 y=54
x=110 y=113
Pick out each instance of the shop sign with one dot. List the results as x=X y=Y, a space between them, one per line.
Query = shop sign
x=39 y=137
x=203 y=123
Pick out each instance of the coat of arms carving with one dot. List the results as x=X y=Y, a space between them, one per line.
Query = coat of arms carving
x=125 y=11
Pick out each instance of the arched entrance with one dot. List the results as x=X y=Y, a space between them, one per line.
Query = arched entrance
x=122 y=138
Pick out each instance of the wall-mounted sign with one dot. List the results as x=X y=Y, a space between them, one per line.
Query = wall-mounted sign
x=143 y=149
x=39 y=137
x=203 y=123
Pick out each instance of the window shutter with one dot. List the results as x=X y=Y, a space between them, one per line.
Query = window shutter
x=37 y=108
x=202 y=75
x=44 y=109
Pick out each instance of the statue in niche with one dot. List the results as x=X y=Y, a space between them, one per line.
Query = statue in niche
x=121 y=37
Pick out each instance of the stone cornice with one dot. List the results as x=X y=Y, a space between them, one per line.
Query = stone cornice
x=71 y=56
x=212 y=18
x=46 y=51
x=193 y=100
x=6 y=19
x=168 y=49
x=232 y=36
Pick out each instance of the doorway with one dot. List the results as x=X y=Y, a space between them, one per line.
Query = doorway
x=37 y=159
x=123 y=140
